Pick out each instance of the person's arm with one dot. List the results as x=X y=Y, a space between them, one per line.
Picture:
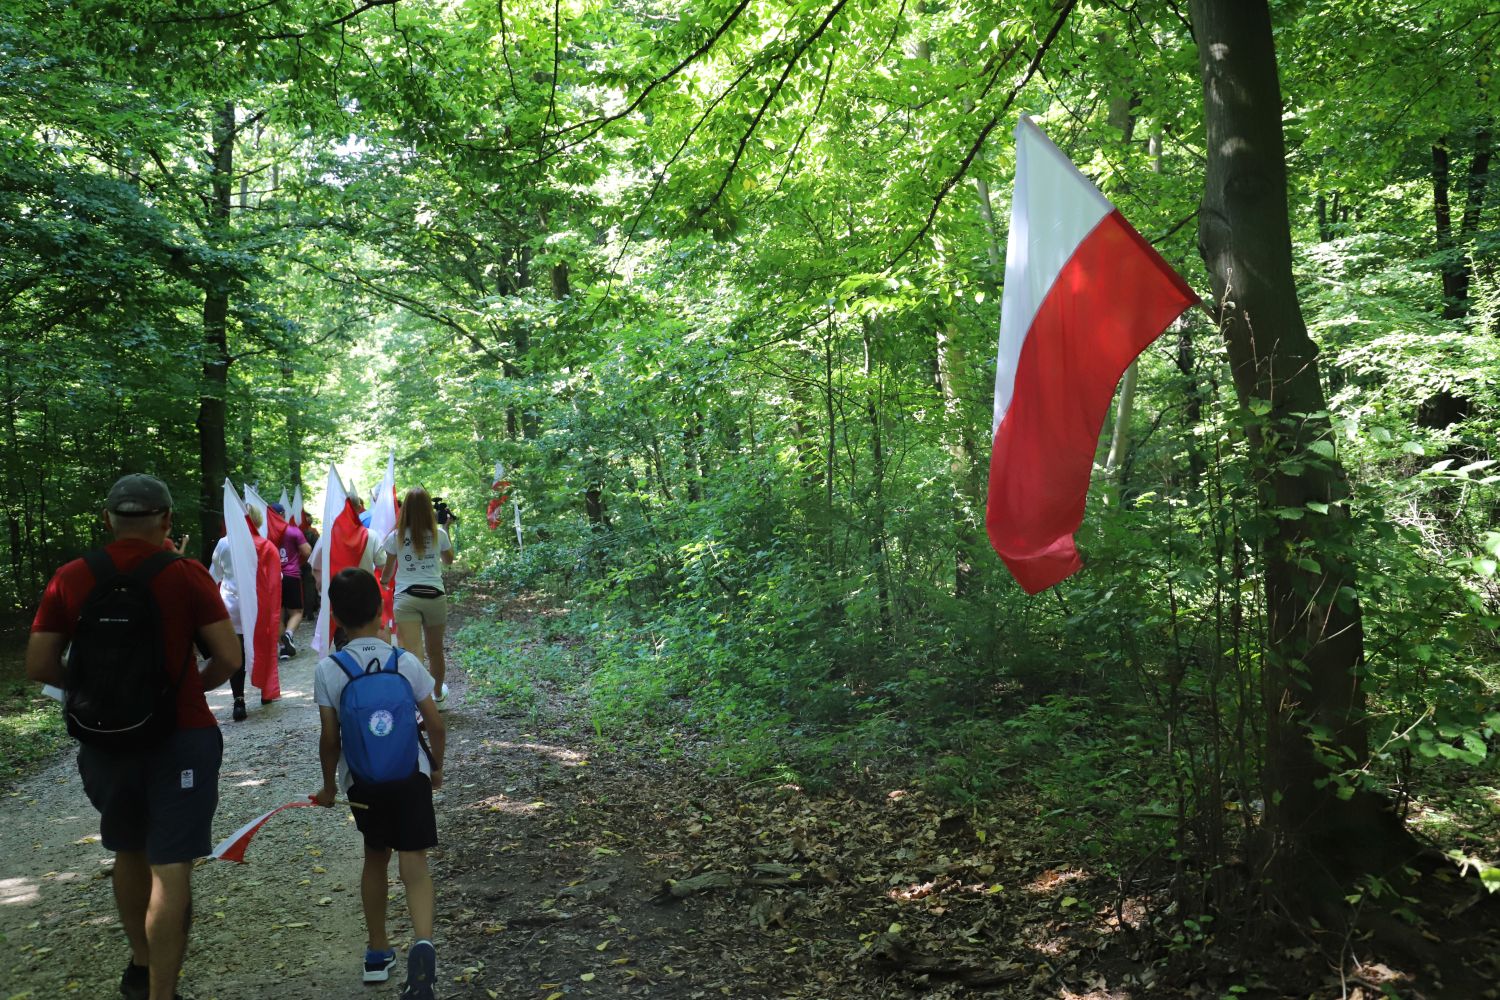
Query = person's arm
x=437 y=737
x=225 y=655
x=390 y=568
x=328 y=755
x=304 y=552
x=44 y=657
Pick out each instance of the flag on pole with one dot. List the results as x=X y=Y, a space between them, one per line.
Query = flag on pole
x=517 y=507
x=233 y=847
x=382 y=523
x=243 y=562
x=297 y=512
x=335 y=501
x=286 y=504
x=1084 y=294
x=253 y=500
x=500 y=486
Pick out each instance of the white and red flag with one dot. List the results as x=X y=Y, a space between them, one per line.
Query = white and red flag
x=1084 y=294
x=233 y=847
x=299 y=516
x=382 y=523
x=243 y=562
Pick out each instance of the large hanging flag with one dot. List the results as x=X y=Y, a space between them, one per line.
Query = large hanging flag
x=286 y=503
x=1084 y=294
x=243 y=562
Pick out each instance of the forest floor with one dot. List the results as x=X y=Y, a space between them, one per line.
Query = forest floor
x=571 y=869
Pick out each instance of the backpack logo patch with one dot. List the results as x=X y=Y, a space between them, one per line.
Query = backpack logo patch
x=382 y=722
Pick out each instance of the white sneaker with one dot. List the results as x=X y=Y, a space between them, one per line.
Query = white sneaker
x=442 y=698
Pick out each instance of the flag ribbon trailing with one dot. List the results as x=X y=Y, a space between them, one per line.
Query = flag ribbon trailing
x=1084 y=294
x=233 y=847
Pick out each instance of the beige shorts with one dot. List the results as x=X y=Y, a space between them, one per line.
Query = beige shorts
x=426 y=610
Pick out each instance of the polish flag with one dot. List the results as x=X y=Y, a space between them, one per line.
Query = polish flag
x=243 y=563
x=1084 y=294
x=233 y=847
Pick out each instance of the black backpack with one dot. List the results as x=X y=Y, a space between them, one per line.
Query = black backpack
x=119 y=693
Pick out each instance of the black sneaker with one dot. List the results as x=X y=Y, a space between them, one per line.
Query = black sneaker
x=421 y=972
x=288 y=644
x=135 y=982
x=378 y=964
x=239 y=710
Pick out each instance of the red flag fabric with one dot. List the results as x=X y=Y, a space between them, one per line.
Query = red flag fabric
x=275 y=527
x=346 y=539
x=1084 y=294
x=265 y=673
x=233 y=847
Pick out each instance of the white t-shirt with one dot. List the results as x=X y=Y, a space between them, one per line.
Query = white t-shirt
x=370 y=653
x=414 y=570
x=220 y=568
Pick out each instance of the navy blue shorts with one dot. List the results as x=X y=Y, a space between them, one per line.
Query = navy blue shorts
x=160 y=801
x=396 y=815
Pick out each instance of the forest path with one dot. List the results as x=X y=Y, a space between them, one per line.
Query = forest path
x=555 y=873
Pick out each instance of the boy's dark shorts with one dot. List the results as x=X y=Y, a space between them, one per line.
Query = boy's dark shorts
x=291 y=593
x=398 y=814
x=160 y=801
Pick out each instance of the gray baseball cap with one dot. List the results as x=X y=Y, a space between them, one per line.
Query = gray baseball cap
x=138 y=494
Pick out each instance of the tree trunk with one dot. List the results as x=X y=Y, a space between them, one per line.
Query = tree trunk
x=1314 y=655
x=213 y=449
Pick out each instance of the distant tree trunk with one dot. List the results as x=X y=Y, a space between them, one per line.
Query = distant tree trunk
x=1453 y=248
x=1312 y=666
x=874 y=414
x=213 y=449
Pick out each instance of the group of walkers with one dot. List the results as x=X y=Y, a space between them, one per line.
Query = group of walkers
x=117 y=630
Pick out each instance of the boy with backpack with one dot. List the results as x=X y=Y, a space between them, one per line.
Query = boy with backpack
x=128 y=616
x=369 y=695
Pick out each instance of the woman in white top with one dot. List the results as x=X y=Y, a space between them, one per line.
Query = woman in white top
x=416 y=552
x=221 y=569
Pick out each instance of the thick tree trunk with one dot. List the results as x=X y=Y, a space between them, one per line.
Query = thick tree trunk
x=213 y=449
x=1312 y=666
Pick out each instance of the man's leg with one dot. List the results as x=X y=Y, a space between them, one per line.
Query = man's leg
x=373 y=893
x=419 y=895
x=293 y=619
x=132 y=881
x=168 y=915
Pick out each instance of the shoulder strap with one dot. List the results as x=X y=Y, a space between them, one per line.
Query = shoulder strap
x=393 y=665
x=348 y=663
x=154 y=564
x=101 y=565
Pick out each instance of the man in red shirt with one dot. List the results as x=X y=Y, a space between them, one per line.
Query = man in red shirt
x=155 y=806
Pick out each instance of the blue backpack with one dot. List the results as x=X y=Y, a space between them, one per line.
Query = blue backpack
x=377 y=721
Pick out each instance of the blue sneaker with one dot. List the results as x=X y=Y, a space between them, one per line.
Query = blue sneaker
x=421 y=972
x=378 y=964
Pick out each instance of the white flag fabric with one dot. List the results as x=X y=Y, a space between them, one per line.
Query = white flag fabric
x=294 y=512
x=286 y=503
x=253 y=500
x=334 y=499
x=517 y=503
x=383 y=509
x=243 y=560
